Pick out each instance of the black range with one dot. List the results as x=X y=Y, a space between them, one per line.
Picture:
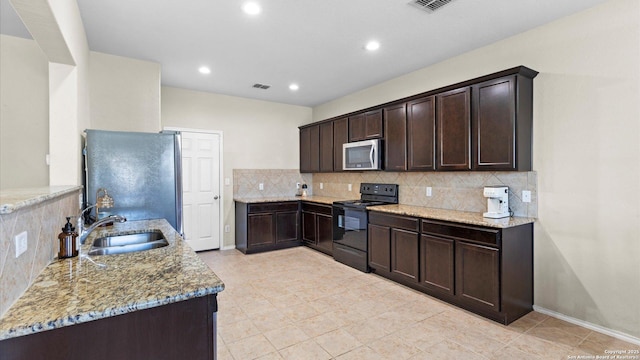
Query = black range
x=350 y=221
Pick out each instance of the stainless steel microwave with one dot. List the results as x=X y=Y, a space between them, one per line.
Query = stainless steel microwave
x=361 y=155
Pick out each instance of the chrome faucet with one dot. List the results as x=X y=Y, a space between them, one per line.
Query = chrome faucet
x=85 y=232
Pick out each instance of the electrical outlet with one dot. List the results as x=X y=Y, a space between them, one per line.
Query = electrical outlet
x=297 y=185
x=321 y=186
x=227 y=228
x=21 y=243
x=261 y=186
x=227 y=181
x=428 y=192
x=349 y=187
x=526 y=196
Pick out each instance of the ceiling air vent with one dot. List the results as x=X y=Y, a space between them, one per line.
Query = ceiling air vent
x=430 y=5
x=261 y=86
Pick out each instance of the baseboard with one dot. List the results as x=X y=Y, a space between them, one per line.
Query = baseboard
x=598 y=328
x=228 y=247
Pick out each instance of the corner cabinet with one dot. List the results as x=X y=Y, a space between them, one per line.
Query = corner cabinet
x=485 y=270
x=266 y=226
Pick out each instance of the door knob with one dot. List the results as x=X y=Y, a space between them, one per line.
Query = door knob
x=215 y=197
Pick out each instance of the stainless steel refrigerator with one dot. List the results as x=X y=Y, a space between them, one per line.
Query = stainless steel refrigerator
x=141 y=172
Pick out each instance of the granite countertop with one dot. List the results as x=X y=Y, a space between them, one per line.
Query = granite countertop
x=15 y=199
x=464 y=217
x=318 y=199
x=76 y=290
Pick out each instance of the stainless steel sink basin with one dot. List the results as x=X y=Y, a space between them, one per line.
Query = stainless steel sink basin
x=126 y=243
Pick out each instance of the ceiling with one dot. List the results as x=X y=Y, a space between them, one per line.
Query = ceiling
x=318 y=44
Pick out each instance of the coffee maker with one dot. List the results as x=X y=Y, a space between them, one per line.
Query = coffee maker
x=497 y=202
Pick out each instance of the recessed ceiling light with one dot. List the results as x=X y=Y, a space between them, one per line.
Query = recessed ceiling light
x=204 y=70
x=372 y=45
x=251 y=8
x=294 y=87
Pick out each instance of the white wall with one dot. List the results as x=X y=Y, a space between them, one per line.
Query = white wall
x=125 y=93
x=257 y=134
x=586 y=153
x=24 y=114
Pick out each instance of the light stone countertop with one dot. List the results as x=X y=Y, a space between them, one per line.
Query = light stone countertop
x=318 y=199
x=75 y=290
x=15 y=199
x=464 y=217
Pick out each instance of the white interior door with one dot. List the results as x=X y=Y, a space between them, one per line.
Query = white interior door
x=201 y=167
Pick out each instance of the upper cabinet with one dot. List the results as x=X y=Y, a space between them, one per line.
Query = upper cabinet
x=421 y=134
x=453 y=124
x=479 y=124
x=340 y=137
x=365 y=126
x=502 y=124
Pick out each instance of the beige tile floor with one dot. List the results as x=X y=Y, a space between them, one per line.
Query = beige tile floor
x=301 y=304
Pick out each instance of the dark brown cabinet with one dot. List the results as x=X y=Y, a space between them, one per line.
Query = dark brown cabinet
x=453 y=124
x=266 y=226
x=485 y=270
x=326 y=147
x=421 y=134
x=395 y=145
x=365 y=126
x=437 y=264
x=340 y=137
x=180 y=330
x=310 y=149
x=393 y=246
x=317 y=226
x=477 y=275
x=502 y=124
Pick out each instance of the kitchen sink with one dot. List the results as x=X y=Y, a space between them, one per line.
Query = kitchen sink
x=126 y=243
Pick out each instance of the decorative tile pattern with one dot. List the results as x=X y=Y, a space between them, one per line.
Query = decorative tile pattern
x=75 y=290
x=41 y=213
x=277 y=182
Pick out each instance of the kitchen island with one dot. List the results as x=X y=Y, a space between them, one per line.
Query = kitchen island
x=158 y=303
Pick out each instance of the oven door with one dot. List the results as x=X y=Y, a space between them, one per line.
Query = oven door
x=350 y=227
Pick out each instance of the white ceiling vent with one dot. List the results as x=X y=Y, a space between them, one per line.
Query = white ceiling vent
x=261 y=86
x=429 y=5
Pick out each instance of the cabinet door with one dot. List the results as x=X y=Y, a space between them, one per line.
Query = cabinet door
x=421 y=134
x=404 y=254
x=260 y=230
x=340 y=137
x=436 y=264
x=314 y=146
x=356 y=127
x=453 y=126
x=373 y=124
x=326 y=147
x=395 y=146
x=379 y=248
x=286 y=226
x=477 y=275
x=494 y=124
x=324 y=236
x=305 y=150
x=309 y=227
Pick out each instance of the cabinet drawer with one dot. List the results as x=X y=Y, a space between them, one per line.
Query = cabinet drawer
x=316 y=208
x=273 y=207
x=394 y=221
x=462 y=232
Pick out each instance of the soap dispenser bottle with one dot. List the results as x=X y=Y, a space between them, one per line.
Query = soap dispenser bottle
x=67 y=237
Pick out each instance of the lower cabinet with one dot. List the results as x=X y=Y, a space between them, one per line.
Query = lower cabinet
x=266 y=226
x=317 y=226
x=488 y=271
x=180 y=330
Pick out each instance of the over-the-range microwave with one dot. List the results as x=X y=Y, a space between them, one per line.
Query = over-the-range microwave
x=361 y=155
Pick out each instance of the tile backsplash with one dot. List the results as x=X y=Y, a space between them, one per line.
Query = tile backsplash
x=42 y=222
x=450 y=190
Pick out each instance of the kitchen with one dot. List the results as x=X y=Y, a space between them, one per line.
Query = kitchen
x=575 y=227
